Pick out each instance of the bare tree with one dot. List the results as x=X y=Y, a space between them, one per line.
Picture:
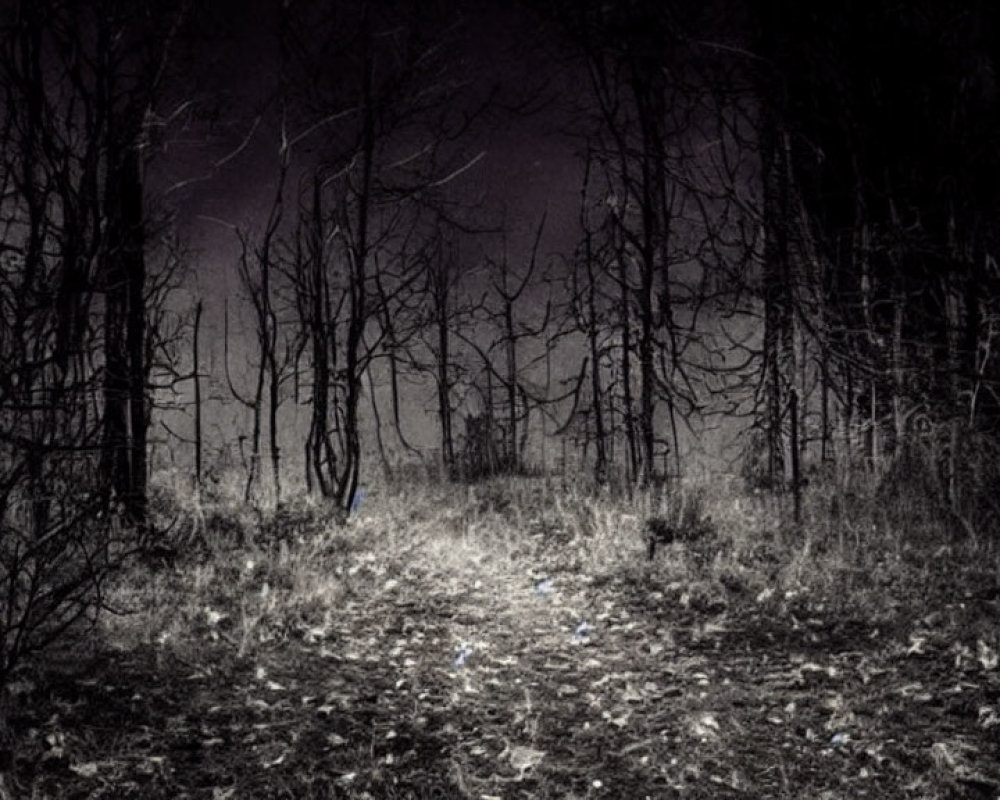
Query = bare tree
x=508 y=290
x=387 y=149
x=79 y=83
x=446 y=313
x=645 y=118
x=258 y=274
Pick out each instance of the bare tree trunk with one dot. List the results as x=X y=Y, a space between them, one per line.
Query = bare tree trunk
x=778 y=312
x=826 y=440
x=115 y=440
x=258 y=281
x=320 y=459
x=358 y=290
x=826 y=380
x=135 y=334
x=596 y=387
x=443 y=375
x=647 y=376
x=512 y=457
x=274 y=381
x=592 y=329
x=647 y=91
x=896 y=358
x=196 y=376
x=954 y=369
x=257 y=400
x=377 y=418
x=874 y=445
x=632 y=465
x=793 y=409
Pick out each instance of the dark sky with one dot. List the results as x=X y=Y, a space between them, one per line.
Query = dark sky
x=528 y=167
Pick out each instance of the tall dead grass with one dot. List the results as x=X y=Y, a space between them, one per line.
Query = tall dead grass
x=862 y=546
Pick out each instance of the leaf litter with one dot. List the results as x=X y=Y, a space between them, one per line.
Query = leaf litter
x=484 y=682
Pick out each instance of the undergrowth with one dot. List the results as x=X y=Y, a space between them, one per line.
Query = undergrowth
x=279 y=568
x=321 y=659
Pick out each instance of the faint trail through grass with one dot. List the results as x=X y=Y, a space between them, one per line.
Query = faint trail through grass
x=437 y=651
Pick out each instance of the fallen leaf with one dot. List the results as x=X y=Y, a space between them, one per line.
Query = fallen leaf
x=524 y=758
x=916 y=647
x=988 y=717
x=987 y=655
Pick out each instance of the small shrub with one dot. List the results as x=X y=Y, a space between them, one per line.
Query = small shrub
x=57 y=551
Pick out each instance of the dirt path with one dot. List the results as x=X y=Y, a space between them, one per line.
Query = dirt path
x=480 y=682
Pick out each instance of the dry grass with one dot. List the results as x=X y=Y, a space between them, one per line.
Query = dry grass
x=269 y=569
x=511 y=636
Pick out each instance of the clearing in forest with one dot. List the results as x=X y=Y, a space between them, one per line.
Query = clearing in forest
x=513 y=641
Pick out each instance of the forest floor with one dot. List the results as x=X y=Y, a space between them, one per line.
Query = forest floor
x=513 y=648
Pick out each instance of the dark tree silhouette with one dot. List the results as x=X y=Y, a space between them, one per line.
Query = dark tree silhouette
x=80 y=84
